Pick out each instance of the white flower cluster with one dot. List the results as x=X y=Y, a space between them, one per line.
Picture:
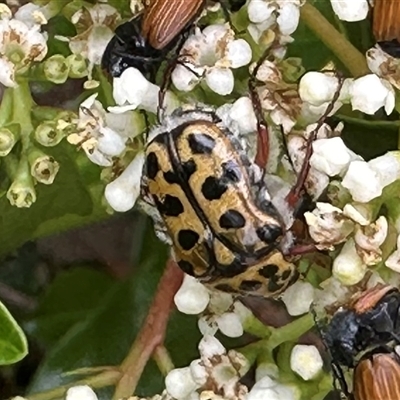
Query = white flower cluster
x=21 y=44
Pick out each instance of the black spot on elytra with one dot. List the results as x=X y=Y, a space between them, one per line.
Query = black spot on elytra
x=188 y=169
x=274 y=286
x=269 y=233
x=187 y=239
x=235 y=268
x=231 y=172
x=152 y=166
x=186 y=267
x=171 y=206
x=232 y=219
x=250 y=286
x=213 y=188
x=286 y=274
x=171 y=177
x=224 y=287
x=269 y=271
x=201 y=143
x=294 y=278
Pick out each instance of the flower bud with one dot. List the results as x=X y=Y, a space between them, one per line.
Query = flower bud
x=56 y=69
x=44 y=168
x=192 y=297
x=22 y=192
x=9 y=135
x=77 y=66
x=82 y=392
x=47 y=134
x=306 y=361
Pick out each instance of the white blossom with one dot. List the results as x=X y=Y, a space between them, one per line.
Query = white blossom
x=239 y=116
x=365 y=181
x=369 y=93
x=331 y=291
x=192 y=297
x=95 y=29
x=298 y=298
x=384 y=65
x=179 y=383
x=331 y=156
x=282 y=15
x=122 y=193
x=211 y=54
x=267 y=388
x=20 y=46
x=328 y=226
x=230 y=325
x=96 y=137
x=306 y=361
x=317 y=88
x=350 y=10
x=348 y=267
x=132 y=90
x=369 y=239
x=83 y=392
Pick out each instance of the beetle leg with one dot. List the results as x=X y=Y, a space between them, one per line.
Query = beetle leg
x=262 y=129
x=295 y=193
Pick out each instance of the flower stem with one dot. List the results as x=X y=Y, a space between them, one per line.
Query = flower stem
x=352 y=59
x=22 y=106
x=104 y=379
x=291 y=331
x=6 y=106
x=163 y=360
x=152 y=333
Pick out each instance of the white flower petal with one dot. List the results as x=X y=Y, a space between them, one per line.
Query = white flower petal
x=363 y=182
x=348 y=267
x=132 y=87
x=179 y=383
x=7 y=73
x=83 y=392
x=220 y=80
x=192 y=297
x=230 y=325
x=317 y=88
x=259 y=10
x=289 y=16
x=210 y=346
x=122 y=193
x=387 y=167
x=184 y=79
x=330 y=156
x=350 y=10
x=298 y=298
x=306 y=361
x=369 y=93
x=110 y=142
x=239 y=53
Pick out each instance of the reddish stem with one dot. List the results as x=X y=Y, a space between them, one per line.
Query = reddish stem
x=152 y=333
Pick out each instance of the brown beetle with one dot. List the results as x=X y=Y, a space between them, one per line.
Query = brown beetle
x=377 y=376
x=386 y=25
x=162 y=23
x=360 y=336
x=145 y=41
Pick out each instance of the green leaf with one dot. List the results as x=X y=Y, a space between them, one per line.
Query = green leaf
x=13 y=343
x=61 y=203
x=70 y=299
x=307 y=46
x=104 y=336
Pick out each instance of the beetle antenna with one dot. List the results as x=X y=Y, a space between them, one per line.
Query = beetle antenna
x=294 y=194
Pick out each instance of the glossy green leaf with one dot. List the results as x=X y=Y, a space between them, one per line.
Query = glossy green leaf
x=13 y=343
x=105 y=335
x=71 y=298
